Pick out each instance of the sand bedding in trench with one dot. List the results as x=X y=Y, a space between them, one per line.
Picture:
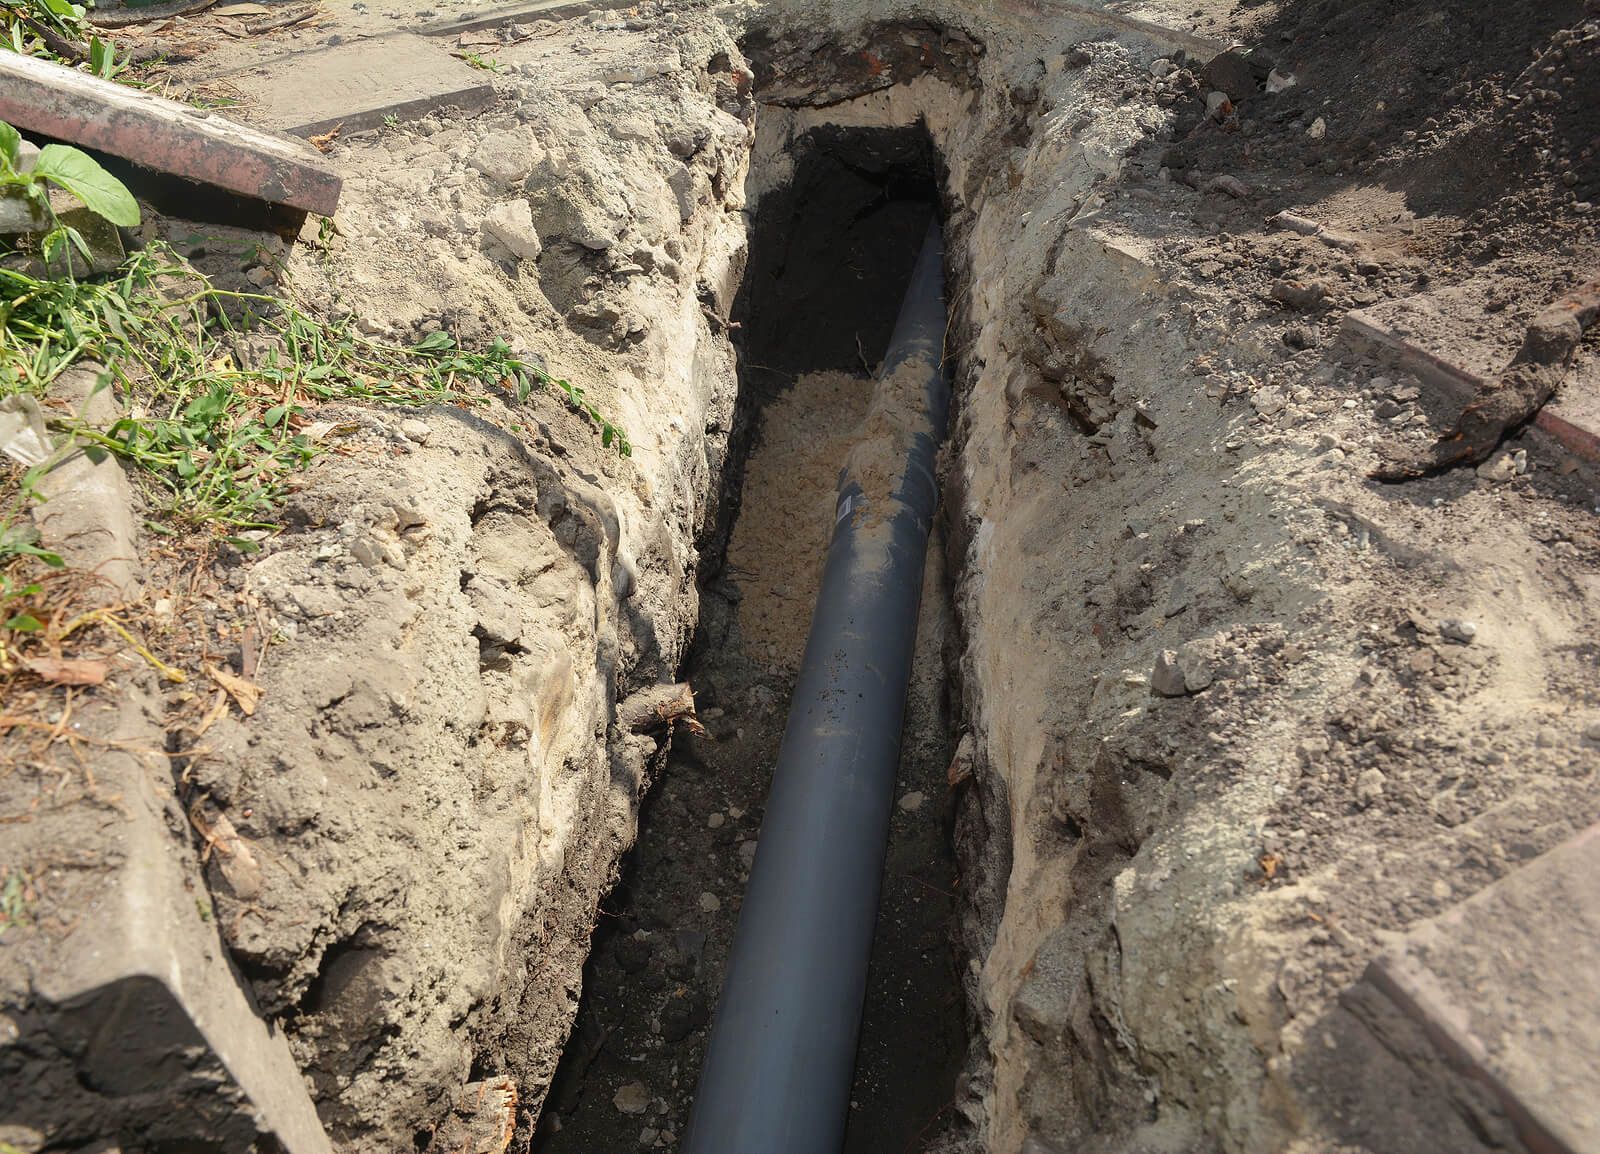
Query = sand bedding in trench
x=781 y=537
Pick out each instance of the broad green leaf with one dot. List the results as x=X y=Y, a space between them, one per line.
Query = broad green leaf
x=10 y=146
x=81 y=175
x=102 y=58
x=434 y=342
x=25 y=623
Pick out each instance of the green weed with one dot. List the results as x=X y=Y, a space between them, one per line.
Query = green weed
x=75 y=171
x=15 y=895
x=222 y=439
x=56 y=30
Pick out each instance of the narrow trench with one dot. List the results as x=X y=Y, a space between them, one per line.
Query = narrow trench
x=830 y=255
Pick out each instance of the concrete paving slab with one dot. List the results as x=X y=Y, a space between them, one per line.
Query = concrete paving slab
x=122 y=1019
x=37 y=96
x=134 y=1025
x=359 y=85
x=1507 y=985
x=1450 y=344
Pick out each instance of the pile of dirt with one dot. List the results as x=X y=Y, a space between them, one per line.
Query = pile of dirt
x=1232 y=717
x=1225 y=720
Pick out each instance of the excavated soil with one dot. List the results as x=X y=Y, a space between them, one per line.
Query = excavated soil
x=830 y=257
x=662 y=946
x=1197 y=730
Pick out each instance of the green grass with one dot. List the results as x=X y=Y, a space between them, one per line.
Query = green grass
x=221 y=441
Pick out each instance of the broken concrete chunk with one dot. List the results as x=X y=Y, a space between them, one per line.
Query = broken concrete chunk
x=1532 y=939
x=18 y=214
x=506 y=158
x=1501 y=467
x=510 y=225
x=358 y=85
x=129 y=1020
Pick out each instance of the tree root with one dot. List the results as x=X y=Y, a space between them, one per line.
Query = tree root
x=1502 y=406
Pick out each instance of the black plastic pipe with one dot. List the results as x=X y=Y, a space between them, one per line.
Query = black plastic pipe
x=778 y=1068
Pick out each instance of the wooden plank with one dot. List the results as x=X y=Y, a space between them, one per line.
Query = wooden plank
x=500 y=16
x=40 y=97
x=360 y=85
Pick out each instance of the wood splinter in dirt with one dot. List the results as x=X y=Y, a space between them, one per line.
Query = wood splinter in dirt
x=657 y=706
x=1501 y=406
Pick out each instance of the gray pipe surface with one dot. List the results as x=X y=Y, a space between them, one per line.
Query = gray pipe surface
x=778 y=1068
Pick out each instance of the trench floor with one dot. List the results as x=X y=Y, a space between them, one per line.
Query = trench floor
x=628 y=1074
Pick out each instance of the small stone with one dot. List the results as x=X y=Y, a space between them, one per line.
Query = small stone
x=1318 y=129
x=1280 y=81
x=1369 y=786
x=747 y=853
x=1218 y=106
x=1422 y=661
x=1519 y=462
x=415 y=430
x=1268 y=401
x=710 y=903
x=714 y=821
x=1592 y=732
x=511 y=226
x=682 y=1016
x=1458 y=630
x=1231 y=185
x=1179 y=673
x=1230 y=72
x=1167 y=679
x=633 y=954
x=1162 y=68
x=632 y=1098
x=1303 y=295
x=648 y=1136
x=1298 y=337
x=912 y=801
x=1501 y=467
x=18 y=214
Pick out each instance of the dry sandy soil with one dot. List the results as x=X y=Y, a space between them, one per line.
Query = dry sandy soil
x=1207 y=716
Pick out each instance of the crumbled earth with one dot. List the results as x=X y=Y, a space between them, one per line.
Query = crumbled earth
x=662 y=946
x=1226 y=716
